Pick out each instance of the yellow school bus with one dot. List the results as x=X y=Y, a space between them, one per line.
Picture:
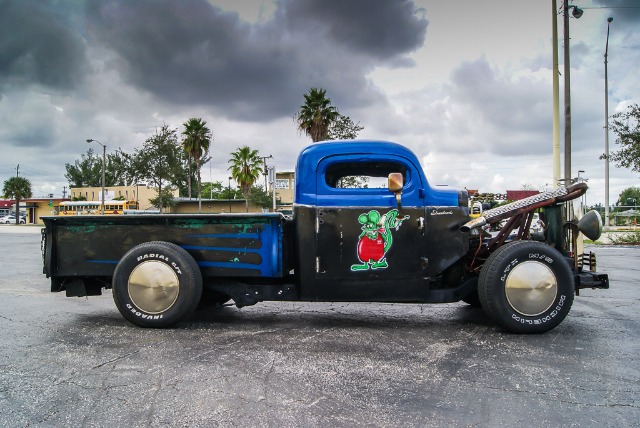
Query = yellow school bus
x=94 y=207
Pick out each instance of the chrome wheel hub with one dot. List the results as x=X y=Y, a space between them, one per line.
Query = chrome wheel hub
x=531 y=288
x=153 y=287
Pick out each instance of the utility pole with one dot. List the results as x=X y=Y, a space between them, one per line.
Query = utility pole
x=567 y=96
x=64 y=191
x=17 y=170
x=104 y=166
x=606 y=129
x=266 y=170
x=556 y=96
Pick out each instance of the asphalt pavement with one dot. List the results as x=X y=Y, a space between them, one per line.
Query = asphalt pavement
x=77 y=362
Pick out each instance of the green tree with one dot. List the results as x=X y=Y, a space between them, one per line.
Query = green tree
x=343 y=128
x=164 y=199
x=218 y=190
x=246 y=167
x=17 y=188
x=119 y=171
x=353 y=182
x=626 y=125
x=87 y=171
x=158 y=163
x=629 y=197
x=259 y=197
x=197 y=139
x=186 y=173
x=316 y=115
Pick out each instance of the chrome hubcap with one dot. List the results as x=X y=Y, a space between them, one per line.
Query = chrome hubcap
x=531 y=288
x=153 y=287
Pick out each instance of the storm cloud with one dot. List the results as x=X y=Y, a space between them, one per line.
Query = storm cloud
x=194 y=52
x=38 y=44
x=457 y=82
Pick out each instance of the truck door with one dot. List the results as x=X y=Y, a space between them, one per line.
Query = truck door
x=369 y=248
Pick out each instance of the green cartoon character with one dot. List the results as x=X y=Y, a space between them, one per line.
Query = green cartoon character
x=376 y=239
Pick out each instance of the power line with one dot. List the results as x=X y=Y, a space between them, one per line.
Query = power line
x=35 y=172
x=611 y=7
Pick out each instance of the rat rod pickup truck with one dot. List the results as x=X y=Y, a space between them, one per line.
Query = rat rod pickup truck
x=406 y=241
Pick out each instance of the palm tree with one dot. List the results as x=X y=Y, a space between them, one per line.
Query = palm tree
x=197 y=139
x=246 y=167
x=316 y=114
x=17 y=188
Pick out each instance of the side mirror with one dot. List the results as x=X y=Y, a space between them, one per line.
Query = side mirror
x=395 y=185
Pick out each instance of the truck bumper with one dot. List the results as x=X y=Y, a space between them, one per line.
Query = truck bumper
x=591 y=280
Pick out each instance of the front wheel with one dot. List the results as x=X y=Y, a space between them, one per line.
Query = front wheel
x=156 y=284
x=526 y=287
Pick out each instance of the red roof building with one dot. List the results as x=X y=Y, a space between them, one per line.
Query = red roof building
x=5 y=206
x=516 y=195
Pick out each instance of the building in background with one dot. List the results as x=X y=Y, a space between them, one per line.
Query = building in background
x=139 y=193
x=285 y=190
x=34 y=208
x=6 y=207
x=212 y=206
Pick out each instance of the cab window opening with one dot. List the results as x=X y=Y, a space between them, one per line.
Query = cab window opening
x=362 y=175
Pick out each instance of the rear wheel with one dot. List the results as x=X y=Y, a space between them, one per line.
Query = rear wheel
x=156 y=284
x=526 y=287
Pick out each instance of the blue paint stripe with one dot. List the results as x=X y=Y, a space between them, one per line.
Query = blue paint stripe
x=227 y=249
x=227 y=235
x=226 y=265
x=230 y=265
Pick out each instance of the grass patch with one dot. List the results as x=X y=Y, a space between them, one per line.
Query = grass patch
x=629 y=238
x=590 y=242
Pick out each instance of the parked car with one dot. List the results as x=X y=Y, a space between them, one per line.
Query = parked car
x=11 y=219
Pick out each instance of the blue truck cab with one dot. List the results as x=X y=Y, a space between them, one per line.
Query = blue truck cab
x=366 y=227
x=356 y=242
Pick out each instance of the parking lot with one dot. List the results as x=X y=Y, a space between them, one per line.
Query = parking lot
x=77 y=362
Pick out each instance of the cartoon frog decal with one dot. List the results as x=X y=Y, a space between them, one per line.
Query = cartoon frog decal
x=376 y=238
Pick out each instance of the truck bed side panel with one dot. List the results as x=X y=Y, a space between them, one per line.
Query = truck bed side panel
x=222 y=245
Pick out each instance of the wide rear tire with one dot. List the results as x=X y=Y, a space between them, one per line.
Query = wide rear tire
x=526 y=287
x=157 y=284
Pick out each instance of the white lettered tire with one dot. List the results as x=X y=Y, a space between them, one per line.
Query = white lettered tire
x=156 y=284
x=526 y=287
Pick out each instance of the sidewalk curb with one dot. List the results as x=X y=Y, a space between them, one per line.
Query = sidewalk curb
x=13 y=229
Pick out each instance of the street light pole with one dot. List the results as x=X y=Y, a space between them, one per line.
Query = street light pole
x=272 y=179
x=577 y=13
x=104 y=166
x=229 y=194
x=606 y=129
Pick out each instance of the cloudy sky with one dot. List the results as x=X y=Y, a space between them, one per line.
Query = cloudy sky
x=466 y=84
